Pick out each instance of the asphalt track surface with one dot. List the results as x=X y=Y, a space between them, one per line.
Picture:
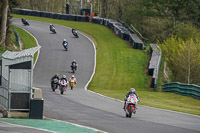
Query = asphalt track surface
x=85 y=107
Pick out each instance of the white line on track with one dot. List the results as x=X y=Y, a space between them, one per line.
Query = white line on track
x=27 y=127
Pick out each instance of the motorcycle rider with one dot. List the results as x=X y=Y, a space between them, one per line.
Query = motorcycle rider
x=51 y=26
x=132 y=91
x=55 y=76
x=74 y=63
x=64 y=78
x=72 y=79
x=74 y=31
x=24 y=21
x=64 y=41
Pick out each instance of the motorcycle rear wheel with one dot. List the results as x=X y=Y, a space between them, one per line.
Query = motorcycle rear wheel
x=130 y=112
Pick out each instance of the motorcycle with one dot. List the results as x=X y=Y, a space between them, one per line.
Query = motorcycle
x=55 y=84
x=75 y=33
x=72 y=84
x=65 y=45
x=73 y=67
x=53 y=29
x=63 y=86
x=130 y=106
x=25 y=22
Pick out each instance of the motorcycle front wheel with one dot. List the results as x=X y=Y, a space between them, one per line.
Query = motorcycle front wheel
x=61 y=90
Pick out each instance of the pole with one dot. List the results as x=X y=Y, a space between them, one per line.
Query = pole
x=90 y=12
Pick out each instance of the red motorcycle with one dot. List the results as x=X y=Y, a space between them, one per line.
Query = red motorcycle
x=131 y=104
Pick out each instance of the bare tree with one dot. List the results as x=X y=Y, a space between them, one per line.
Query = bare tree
x=4 y=22
x=104 y=8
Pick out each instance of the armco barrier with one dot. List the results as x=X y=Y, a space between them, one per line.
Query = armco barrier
x=182 y=89
x=135 y=41
x=35 y=13
x=57 y=16
x=17 y=36
x=154 y=64
x=114 y=25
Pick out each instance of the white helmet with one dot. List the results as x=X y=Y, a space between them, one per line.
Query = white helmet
x=65 y=40
x=64 y=76
x=73 y=76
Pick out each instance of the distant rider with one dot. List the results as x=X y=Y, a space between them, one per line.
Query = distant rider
x=132 y=91
x=24 y=21
x=64 y=41
x=55 y=76
x=74 y=31
x=74 y=64
x=51 y=26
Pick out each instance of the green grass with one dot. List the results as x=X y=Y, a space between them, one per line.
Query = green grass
x=119 y=68
x=13 y=37
x=27 y=40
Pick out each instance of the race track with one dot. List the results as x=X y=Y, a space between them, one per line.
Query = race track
x=85 y=107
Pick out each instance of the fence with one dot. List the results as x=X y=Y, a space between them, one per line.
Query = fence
x=182 y=89
x=17 y=36
x=4 y=93
x=154 y=64
x=14 y=96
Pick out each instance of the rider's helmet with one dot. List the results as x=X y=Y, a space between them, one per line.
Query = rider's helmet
x=73 y=76
x=64 y=76
x=74 y=61
x=57 y=74
x=64 y=40
x=132 y=90
x=50 y=24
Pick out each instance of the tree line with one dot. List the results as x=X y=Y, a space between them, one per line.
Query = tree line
x=173 y=24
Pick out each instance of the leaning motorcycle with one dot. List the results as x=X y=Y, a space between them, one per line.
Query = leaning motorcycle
x=65 y=45
x=53 y=30
x=63 y=86
x=130 y=106
x=55 y=83
x=25 y=22
x=75 y=33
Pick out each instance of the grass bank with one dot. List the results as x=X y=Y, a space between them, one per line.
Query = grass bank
x=120 y=67
x=27 y=40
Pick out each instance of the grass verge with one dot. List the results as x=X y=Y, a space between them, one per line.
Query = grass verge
x=27 y=40
x=119 y=68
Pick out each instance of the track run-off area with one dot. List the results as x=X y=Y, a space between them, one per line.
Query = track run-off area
x=84 y=107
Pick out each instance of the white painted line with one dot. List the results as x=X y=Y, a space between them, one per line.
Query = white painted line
x=37 y=45
x=170 y=111
x=27 y=127
x=94 y=68
x=97 y=130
